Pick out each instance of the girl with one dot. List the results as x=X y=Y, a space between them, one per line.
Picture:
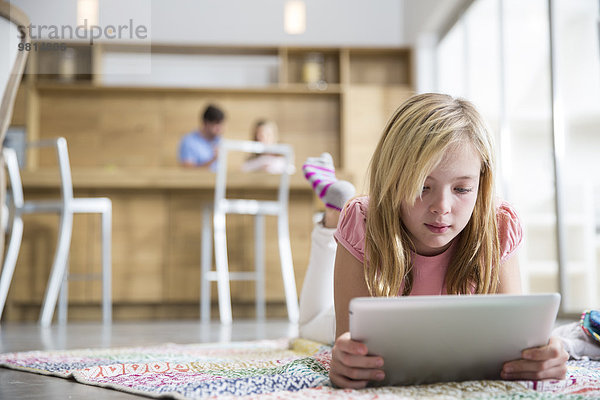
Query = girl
x=265 y=132
x=429 y=226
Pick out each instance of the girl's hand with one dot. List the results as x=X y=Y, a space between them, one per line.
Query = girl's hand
x=544 y=362
x=351 y=367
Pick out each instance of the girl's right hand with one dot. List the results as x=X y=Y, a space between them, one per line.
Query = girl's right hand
x=351 y=367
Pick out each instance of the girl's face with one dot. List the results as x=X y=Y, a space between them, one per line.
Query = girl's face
x=446 y=203
x=266 y=135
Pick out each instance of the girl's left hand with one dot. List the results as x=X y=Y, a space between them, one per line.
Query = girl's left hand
x=537 y=363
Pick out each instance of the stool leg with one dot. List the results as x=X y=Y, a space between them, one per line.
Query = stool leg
x=63 y=297
x=222 y=267
x=205 y=264
x=12 y=253
x=259 y=264
x=58 y=267
x=287 y=267
x=107 y=265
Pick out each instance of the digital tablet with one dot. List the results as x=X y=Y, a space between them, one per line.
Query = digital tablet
x=426 y=339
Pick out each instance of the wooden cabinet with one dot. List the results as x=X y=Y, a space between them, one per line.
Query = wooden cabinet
x=117 y=124
x=136 y=102
x=157 y=216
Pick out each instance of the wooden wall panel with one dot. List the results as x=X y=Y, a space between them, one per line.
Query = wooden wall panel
x=370 y=66
x=37 y=251
x=81 y=259
x=130 y=129
x=120 y=129
x=139 y=245
x=301 y=212
x=91 y=257
x=368 y=110
x=156 y=250
x=72 y=115
x=34 y=263
x=182 y=274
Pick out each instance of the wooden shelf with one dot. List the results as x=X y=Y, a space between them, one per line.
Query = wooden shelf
x=296 y=58
x=159 y=178
x=47 y=85
x=341 y=66
x=374 y=86
x=380 y=67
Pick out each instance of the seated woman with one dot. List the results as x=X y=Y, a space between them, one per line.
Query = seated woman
x=265 y=132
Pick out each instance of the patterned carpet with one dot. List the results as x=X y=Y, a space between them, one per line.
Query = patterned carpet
x=268 y=369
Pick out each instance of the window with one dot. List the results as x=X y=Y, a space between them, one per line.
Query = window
x=498 y=56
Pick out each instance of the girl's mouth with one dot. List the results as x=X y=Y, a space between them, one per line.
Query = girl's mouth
x=438 y=228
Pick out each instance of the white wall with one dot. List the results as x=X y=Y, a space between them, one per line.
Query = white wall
x=424 y=23
x=59 y=12
x=243 y=22
x=429 y=16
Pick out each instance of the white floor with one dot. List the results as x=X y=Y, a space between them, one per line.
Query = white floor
x=24 y=337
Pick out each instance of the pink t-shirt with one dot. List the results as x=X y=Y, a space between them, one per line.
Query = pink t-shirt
x=429 y=272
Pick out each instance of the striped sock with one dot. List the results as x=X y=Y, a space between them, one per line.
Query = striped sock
x=320 y=172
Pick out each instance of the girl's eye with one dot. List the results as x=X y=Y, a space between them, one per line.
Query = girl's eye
x=463 y=190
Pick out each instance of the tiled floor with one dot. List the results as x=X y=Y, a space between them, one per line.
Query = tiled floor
x=24 y=337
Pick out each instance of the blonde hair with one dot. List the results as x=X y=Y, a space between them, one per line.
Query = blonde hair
x=412 y=144
x=272 y=126
x=266 y=124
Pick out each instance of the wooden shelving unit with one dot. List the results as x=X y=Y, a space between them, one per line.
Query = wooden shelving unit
x=123 y=141
x=292 y=88
x=343 y=115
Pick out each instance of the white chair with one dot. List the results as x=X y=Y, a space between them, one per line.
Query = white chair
x=13 y=63
x=65 y=207
x=258 y=208
x=11 y=71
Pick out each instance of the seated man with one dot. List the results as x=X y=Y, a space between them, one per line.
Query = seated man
x=199 y=147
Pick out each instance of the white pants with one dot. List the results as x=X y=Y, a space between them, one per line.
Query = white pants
x=317 y=313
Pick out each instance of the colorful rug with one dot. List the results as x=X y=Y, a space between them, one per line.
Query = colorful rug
x=271 y=369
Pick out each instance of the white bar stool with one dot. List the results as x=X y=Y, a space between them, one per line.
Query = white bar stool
x=66 y=207
x=258 y=208
x=11 y=71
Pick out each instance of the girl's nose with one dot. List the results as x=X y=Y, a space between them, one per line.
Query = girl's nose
x=440 y=204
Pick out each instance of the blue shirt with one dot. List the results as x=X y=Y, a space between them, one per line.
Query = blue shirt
x=196 y=149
